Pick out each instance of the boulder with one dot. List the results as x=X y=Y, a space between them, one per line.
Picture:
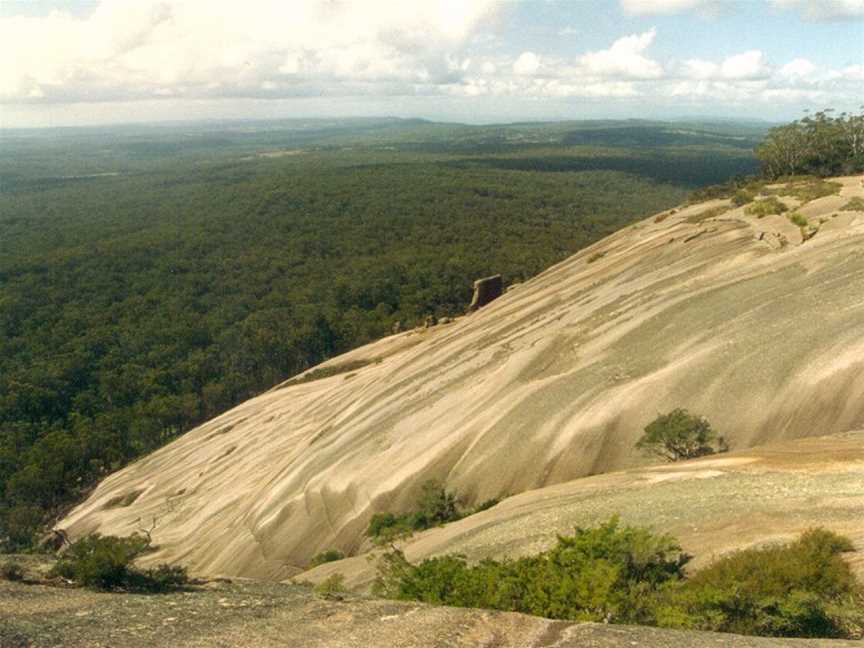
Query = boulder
x=486 y=290
x=53 y=541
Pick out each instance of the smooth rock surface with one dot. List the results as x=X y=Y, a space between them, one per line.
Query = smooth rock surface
x=548 y=383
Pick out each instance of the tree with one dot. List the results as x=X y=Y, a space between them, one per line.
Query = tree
x=819 y=144
x=435 y=505
x=680 y=435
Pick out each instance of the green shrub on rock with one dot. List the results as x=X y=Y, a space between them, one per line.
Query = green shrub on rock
x=434 y=506
x=332 y=588
x=331 y=555
x=798 y=219
x=618 y=574
x=799 y=589
x=604 y=573
x=680 y=435
x=766 y=207
x=107 y=563
x=742 y=197
x=854 y=204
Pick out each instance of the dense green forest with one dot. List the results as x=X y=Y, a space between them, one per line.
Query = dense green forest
x=153 y=277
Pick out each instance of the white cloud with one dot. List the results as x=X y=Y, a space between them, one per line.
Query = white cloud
x=748 y=65
x=699 y=69
x=624 y=59
x=800 y=68
x=171 y=51
x=203 y=48
x=527 y=63
x=745 y=66
x=657 y=7
x=823 y=10
x=853 y=72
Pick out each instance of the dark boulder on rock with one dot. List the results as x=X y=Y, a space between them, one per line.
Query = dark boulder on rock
x=485 y=290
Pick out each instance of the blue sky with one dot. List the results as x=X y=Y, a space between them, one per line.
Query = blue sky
x=103 y=61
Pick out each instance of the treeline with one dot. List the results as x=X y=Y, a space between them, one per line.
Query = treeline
x=135 y=307
x=820 y=144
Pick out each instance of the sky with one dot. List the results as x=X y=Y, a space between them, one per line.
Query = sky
x=88 y=62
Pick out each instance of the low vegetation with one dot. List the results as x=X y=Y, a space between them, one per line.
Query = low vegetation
x=808 y=190
x=620 y=574
x=11 y=570
x=604 y=573
x=331 y=555
x=107 y=563
x=854 y=204
x=765 y=207
x=680 y=435
x=798 y=589
x=798 y=219
x=434 y=506
x=742 y=197
x=331 y=588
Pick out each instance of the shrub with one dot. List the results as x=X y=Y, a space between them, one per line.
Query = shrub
x=620 y=574
x=11 y=571
x=106 y=563
x=766 y=207
x=434 y=506
x=680 y=435
x=331 y=555
x=798 y=219
x=332 y=588
x=742 y=197
x=799 y=589
x=604 y=573
x=854 y=204
x=162 y=578
x=807 y=191
x=487 y=504
x=387 y=527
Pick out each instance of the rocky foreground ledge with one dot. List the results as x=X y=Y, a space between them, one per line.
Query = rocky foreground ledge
x=255 y=614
